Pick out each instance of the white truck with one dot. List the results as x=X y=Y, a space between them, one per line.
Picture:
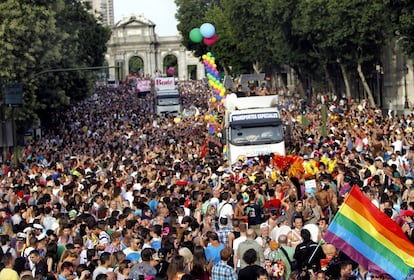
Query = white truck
x=167 y=98
x=253 y=127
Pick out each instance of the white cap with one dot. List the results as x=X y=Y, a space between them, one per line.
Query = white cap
x=264 y=225
x=27 y=229
x=38 y=226
x=41 y=236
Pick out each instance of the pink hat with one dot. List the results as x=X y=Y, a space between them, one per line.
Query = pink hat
x=407 y=213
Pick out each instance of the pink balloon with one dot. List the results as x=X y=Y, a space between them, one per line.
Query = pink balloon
x=210 y=41
x=171 y=71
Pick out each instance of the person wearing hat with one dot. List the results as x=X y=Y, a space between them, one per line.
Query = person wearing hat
x=224 y=231
x=41 y=244
x=408 y=194
x=408 y=226
x=37 y=229
x=264 y=238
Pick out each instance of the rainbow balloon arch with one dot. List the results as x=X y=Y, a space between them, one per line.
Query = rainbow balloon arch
x=206 y=34
x=213 y=78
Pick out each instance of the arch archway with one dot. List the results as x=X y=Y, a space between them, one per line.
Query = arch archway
x=136 y=65
x=168 y=62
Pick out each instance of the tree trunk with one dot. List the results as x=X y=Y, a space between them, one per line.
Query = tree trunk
x=331 y=86
x=346 y=80
x=257 y=68
x=366 y=86
x=300 y=83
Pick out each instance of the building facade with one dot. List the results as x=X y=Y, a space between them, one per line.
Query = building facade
x=103 y=10
x=396 y=77
x=134 y=37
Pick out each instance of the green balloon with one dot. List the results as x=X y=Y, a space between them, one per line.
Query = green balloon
x=195 y=35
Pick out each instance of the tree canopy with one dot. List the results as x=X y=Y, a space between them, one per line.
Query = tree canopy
x=38 y=36
x=316 y=38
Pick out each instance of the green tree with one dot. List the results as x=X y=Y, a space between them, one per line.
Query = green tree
x=191 y=14
x=29 y=43
x=82 y=45
x=358 y=31
x=48 y=34
x=402 y=16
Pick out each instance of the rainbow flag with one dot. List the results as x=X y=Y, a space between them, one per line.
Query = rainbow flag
x=370 y=237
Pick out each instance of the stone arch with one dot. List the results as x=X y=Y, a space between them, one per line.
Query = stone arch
x=135 y=64
x=170 y=60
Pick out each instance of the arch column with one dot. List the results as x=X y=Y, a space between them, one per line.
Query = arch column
x=182 y=65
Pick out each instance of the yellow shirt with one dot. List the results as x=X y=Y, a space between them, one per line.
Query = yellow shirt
x=9 y=274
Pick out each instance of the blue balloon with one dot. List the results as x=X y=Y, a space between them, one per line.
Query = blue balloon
x=207 y=30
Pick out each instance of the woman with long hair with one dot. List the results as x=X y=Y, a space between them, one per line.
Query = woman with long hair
x=176 y=268
x=51 y=256
x=199 y=270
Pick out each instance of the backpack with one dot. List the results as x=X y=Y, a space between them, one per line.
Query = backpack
x=1 y=259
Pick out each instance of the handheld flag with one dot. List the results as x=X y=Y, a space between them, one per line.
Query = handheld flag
x=370 y=237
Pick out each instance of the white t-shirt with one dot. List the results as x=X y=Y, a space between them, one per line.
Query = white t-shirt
x=225 y=209
x=236 y=244
x=100 y=270
x=398 y=144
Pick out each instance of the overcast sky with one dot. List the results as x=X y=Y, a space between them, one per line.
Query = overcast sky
x=160 y=12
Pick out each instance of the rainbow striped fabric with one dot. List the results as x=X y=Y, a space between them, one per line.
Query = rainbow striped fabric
x=370 y=237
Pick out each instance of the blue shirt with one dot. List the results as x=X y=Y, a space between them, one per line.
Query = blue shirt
x=213 y=253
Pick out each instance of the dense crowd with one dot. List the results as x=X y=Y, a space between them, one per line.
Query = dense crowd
x=113 y=191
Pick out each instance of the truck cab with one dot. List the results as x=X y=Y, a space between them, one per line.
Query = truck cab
x=167 y=98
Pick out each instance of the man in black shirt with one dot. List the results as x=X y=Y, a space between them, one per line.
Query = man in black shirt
x=249 y=272
x=240 y=92
x=40 y=266
x=308 y=254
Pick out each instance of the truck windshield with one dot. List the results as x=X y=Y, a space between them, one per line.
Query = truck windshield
x=256 y=135
x=168 y=101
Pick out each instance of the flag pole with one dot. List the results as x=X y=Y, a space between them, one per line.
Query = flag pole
x=314 y=251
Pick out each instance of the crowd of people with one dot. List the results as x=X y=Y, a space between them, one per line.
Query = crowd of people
x=113 y=191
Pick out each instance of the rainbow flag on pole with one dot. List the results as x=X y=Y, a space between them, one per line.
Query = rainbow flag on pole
x=370 y=237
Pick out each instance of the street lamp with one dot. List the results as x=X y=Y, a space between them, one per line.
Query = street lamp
x=405 y=71
x=379 y=72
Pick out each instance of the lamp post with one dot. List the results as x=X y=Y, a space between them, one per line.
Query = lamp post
x=378 y=71
x=405 y=72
